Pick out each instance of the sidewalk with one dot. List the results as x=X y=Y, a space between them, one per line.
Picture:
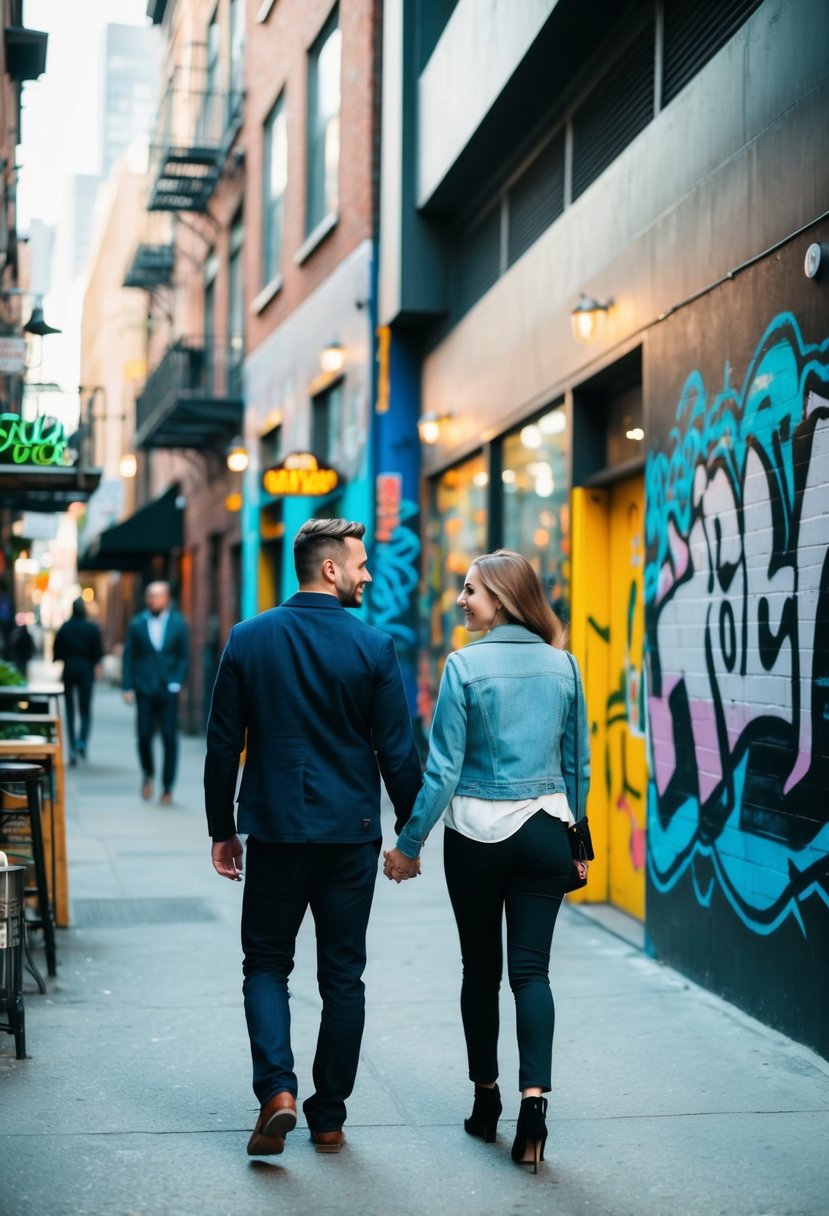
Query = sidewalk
x=136 y=1100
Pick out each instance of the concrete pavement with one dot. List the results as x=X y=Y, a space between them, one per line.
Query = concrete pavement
x=136 y=1098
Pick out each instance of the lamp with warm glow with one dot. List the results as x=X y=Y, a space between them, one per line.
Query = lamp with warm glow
x=588 y=317
x=332 y=359
x=128 y=465
x=428 y=427
x=237 y=455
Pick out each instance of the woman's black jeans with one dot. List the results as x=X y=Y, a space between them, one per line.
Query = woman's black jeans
x=525 y=876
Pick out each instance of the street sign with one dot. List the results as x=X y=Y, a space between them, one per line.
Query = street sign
x=300 y=475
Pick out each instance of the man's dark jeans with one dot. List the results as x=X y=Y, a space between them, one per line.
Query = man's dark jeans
x=79 y=688
x=158 y=712
x=336 y=881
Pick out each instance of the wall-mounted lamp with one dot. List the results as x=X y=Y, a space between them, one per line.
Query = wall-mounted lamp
x=237 y=455
x=428 y=427
x=332 y=359
x=128 y=465
x=37 y=325
x=587 y=318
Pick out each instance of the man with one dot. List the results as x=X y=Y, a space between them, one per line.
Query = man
x=79 y=647
x=156 y=657
x=319 y=697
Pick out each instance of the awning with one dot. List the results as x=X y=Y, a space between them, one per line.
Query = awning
x=49 y=488
x=153 y=531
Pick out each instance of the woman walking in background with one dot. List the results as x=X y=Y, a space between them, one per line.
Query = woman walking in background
x=508 y=727
x=79 y=647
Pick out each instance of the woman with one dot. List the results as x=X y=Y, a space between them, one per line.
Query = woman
x=502 y=764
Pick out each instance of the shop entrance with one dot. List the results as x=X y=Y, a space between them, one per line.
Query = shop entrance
x=608 y=631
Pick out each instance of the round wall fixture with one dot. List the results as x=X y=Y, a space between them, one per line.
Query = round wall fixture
x=811 y=264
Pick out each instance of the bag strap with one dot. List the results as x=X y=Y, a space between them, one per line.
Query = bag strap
x=576 y=747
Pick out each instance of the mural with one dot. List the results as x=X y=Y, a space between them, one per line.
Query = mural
x=397 y=554
x=737 y=606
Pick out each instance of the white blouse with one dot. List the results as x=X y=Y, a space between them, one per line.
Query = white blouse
x=489 y=820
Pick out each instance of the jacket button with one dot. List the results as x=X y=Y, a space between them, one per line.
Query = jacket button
x=366 y=824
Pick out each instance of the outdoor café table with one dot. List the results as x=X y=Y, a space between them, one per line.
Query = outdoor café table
x=49 y=752
x=41 y=695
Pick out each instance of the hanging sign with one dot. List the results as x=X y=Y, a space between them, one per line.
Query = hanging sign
x=300 y=475
x=39 y=442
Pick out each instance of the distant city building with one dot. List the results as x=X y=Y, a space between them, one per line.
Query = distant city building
x=85 y=187
x=130 y=66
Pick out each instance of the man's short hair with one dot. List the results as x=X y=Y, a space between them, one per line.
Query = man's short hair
x=319 y=539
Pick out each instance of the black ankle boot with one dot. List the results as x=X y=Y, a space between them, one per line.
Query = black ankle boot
x=485 y=1113
x=530 y=1133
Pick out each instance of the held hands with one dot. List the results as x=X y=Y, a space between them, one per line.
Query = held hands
x=398 y=867
x=227 y=858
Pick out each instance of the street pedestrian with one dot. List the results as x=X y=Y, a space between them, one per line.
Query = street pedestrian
x=156 y=659
x=21 y=644
x=78 y=645
x=502 y=765
x=318 y=697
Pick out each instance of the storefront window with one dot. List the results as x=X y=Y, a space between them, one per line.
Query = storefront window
x=536 y=513
x=456 y=534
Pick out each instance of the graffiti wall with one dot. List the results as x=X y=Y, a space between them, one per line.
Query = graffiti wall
x=737 y=619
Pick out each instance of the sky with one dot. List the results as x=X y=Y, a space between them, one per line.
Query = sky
x=61 y=119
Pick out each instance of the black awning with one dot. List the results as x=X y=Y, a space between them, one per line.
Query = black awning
x=153 y=531
x=25 y=52
x=48 y=488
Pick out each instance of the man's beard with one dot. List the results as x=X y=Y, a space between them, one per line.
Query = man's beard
x=348 y=596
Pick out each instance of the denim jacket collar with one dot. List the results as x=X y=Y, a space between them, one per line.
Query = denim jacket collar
x=509 y=633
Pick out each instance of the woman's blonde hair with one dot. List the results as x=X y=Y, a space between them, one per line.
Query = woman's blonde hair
x=511 y=579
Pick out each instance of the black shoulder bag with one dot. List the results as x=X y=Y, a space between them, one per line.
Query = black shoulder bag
x=581 y=844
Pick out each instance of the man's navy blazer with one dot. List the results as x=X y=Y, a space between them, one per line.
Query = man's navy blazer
x=148 y=671
x=319 y=697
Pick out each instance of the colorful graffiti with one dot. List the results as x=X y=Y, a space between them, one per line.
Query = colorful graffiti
x=737 y=607
x=396 y=561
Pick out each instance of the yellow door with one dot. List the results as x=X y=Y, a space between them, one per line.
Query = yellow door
x=608 y=634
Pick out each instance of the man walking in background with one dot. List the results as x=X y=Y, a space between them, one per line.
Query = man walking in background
x=156 y=658
x=79 y=647
x=318 y=697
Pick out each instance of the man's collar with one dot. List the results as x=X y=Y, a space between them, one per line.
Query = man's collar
x=312 y=599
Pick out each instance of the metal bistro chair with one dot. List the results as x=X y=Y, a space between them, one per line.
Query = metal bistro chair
x=30 y=775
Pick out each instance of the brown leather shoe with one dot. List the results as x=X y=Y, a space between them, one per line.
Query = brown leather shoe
x=276 y=1118
x=166 y=798
x=328 y=1142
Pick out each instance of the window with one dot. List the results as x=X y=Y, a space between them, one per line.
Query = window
x=620 y=106
x=323 y=125
x=236 y=309
x=237 y=46
x=211 y=269
x=456 y=533
x=275 y=178
x=210 y=103
x=326 y=409
x=535 y=488
x=270 y=447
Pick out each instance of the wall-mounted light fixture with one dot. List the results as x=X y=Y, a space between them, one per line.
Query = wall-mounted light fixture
x=332 y=359
x=428 y=427
x=128 y=465
x=587 y=318
x=37 y=325
x=237 y=455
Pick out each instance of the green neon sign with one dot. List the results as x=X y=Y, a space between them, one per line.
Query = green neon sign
x=39 y=442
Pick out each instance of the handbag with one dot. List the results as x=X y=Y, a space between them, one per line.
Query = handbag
x=581 y=843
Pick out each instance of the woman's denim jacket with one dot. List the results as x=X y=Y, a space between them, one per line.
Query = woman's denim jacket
x=505 y=727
